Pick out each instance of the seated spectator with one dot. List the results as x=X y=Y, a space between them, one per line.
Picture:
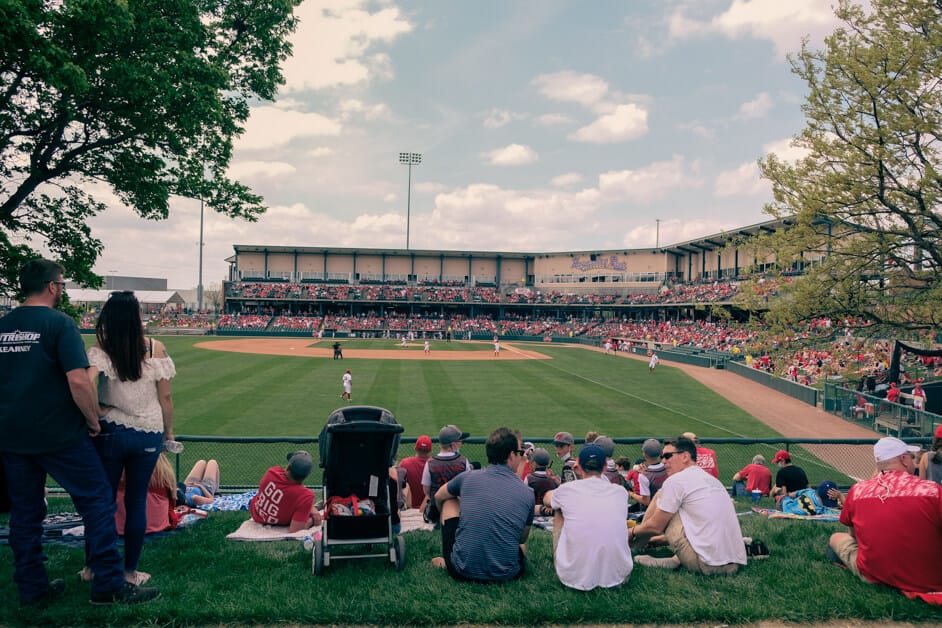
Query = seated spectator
x=829 y=495
x=564 y=442
x=541 y=480
x=592 y=547
x=706 y=458
x=789 y=479
x=486 y=516
x=694 y=514
x=930 y=465
x=282 y=498
x=161 y=499
x=894 y=524
x=415 y=466
x=652 y=476
x=893 y=393
x=753 y=477
x=201 y=484
x=610 y=473
x=442 y=467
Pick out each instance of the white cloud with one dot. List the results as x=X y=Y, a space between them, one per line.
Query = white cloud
x=742 y=181
x=260 y=169
x=564 y=180
x=782 y=23
x=334 y=41
x=392 y=197
x=626 y=122
x=320 y=151
x=268 y=127
x=649 y=183
x=758 y=107
x=353 y=107
x=566 y=86
x=671 y=231
x=786 y=150
x=511 y=155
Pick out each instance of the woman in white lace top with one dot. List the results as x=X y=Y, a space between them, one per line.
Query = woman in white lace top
x=133 y=376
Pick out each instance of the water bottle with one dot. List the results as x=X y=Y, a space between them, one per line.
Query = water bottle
x=173 y=446
x=756 y=496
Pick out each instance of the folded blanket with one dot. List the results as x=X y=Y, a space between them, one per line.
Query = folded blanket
x=412 y=520
x=831 y=515
x=253 y=531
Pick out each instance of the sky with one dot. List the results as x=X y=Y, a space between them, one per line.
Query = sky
x=543 y=125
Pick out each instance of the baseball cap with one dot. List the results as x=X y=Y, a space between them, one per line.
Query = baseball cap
x=607 y=445
x=423 y=443
x=451 y=434
x=540 y=458
x=889 y=447
x=592 y=458
x=651 y=448
x=823 y=493
x=563 y=438
x=300 y=464
x=781 y=455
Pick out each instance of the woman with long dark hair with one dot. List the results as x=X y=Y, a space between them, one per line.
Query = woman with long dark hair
x=132 y=374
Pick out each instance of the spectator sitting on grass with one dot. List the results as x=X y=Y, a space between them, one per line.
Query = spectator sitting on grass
x=442 y=467
x=486 y=516
x=590 y=546
x=694 y=514
x=790 y=478
x=706 y=458
x=201 y=484
x=894 y=524
x=653 y=474
x=282 y=498
x=753 y=477
x=541 y=480
x=564 y=442
x=610 y=473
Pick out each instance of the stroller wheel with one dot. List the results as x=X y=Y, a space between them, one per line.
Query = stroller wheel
x=318 y=561
x=397 y=553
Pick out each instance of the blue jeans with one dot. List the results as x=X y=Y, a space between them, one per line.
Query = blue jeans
x=134 y=453
x=78 y=470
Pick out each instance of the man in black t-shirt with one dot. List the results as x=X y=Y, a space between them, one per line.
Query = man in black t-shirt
x=48 y=414
x=789 y=479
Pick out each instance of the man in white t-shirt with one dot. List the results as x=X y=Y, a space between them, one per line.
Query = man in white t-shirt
x=592 y=546
x=694 y=513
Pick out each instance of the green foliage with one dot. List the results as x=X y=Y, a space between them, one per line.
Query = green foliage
x=867 y=195
x=142 y=95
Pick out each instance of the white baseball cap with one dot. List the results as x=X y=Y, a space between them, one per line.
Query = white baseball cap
x=889 y=448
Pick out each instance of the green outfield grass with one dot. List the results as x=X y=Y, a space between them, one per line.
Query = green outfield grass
x=228 y=394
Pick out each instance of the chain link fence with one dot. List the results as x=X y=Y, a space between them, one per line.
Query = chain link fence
x=243 y=461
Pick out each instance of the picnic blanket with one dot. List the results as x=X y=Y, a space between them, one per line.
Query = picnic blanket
x=253 y=531
x=832 y=514
x=237 y=501
x=412 y=520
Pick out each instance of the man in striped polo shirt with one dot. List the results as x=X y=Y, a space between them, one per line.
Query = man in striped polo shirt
x=486 y=516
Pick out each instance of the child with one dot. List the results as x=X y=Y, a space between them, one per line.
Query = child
x=541 y=480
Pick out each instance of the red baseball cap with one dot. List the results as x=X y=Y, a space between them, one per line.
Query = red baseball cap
x=423 y=443
x=781 y=455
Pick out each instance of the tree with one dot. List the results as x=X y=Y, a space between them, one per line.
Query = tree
x=867 y=196
x=142 y=96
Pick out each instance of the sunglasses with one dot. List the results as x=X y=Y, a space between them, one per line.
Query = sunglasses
x=520 y=452
x=670 y=454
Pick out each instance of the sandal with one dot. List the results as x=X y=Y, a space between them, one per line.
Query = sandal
x=757 y=549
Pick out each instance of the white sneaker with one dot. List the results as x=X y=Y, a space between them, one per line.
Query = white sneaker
x=671 y=562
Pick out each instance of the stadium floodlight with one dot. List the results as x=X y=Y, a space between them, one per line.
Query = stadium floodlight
x=409 y=159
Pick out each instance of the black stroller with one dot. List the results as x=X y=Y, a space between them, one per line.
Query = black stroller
x=357 y=446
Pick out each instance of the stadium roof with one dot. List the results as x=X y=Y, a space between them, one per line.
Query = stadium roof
x=697 y=245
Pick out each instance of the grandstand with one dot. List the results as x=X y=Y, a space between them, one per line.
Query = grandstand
x=665 y=283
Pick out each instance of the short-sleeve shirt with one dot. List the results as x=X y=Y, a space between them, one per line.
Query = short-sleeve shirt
x=496 y=507
x=792 y=478
x=897 y=521
x=38 y=346
x=758 y=477
x=279 y=500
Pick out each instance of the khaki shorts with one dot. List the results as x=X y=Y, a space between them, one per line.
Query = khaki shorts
x=689 y=559
x=846 y=550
